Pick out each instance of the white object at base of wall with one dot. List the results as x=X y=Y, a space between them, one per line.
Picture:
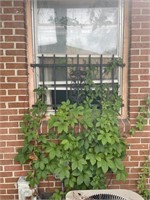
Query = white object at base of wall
x=24 y=189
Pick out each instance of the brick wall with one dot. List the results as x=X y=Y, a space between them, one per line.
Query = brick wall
x=13 y=92
x=14 y=99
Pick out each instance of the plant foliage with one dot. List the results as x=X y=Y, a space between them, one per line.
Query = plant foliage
x=142 y=181
x=83 y=143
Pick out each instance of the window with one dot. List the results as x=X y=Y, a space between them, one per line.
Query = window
x=72 y=34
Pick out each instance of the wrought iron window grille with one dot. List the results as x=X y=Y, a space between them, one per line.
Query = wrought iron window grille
x=64 y=77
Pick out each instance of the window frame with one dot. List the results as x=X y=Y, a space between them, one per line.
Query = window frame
x=124 y=52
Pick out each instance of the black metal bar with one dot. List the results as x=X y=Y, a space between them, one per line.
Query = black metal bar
x=66 y=77
x=112 y=74
x=43 y=71
x=54 y=68
x=64 y=65
x=90 y=61
x=101 y=68
x=78 y=78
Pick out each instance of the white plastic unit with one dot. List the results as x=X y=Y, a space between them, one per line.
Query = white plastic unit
x=24 y=189
x=117 y=194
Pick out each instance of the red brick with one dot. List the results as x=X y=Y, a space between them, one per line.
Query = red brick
x=139 y=146
x=145 y=90
x=12 y=168
x=137 y=158
x=6 y=149
x=19 y=17
x=145 y=140
x=16 y=65
x=145 y=52
x=8 y=124
x=136 y=11
x=2 y=144
x=2 y=92
x=145 y=64
x=8 y=197
x=3 y=118
x=142 y=4
x=145 y=38
x=145 y=25
x=7 y=162
x=133 y=152
x=7 y=72
x=8 y=98
x=139 y=45
x=139 y=71
x=146 y=11
x=5 y=174
x=21 y=59
x=9 y=156
x=134 y=65
x=20 y=32
x=3 y=131
x=2 y=79
x=15 y=52
x=141 y=32
x=6 y=17
x=23 y=85
x=144 y=18
x=21 y=46
x=15 y=143
x=15 y=38
x=7 y=59
x=135 y=25
x=14 y=131
x=8 y=85
x=19 y=3
x=6 y=32
x=13 y=10
x=135 y=52
x=7 y=45
x=12 y=191
x=17 y=92
x=7 y=186
x=11 y=180
x=15 y=118
x=5 y=3
x=18 y=105
x=13 y=24
x=134 y=77
x=20 y=173
x=2 y=191
x=17 y=79
x=145 y=77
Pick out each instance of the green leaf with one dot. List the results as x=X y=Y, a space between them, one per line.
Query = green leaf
x=87 y=180
x=111 y=164
x=74 y=165
x=104 y=166
x=80 y=179
x=80 y=167
x=52 y=154
x=42 y=165
x=119 y=164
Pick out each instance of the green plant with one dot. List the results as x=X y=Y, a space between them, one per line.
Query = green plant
x=141 y=183
x=83 y=143
x=142 y=117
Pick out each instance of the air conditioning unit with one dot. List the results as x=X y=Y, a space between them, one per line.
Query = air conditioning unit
x=112 y=194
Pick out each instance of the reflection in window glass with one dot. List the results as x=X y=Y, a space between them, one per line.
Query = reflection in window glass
x=65 y=27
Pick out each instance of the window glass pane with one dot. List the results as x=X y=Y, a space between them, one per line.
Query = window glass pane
x=68 y=27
